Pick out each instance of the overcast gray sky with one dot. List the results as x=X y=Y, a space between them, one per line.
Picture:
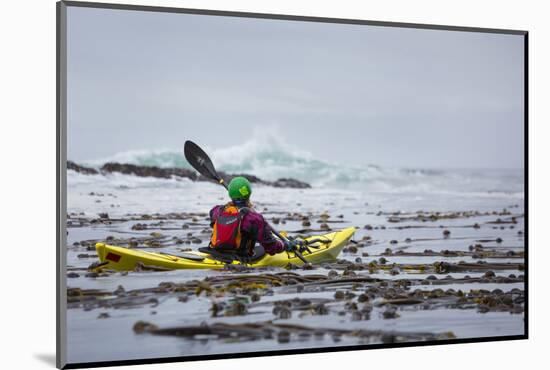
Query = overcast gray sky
x=387 y=96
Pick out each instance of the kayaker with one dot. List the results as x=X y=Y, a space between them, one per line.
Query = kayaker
x=236 y=226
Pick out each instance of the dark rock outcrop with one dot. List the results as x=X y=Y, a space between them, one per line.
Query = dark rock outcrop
x=81 y=169
x=167 y=173
x=290 y=183
x=148 y=171
x=280 y=183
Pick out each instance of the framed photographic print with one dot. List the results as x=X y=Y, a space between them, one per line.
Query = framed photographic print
x=236 y=184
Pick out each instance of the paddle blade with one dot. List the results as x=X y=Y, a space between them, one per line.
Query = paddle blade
x=200 y=161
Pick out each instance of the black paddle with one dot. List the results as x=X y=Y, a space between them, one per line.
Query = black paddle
x=201 y=162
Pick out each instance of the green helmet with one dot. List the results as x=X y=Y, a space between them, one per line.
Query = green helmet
x=239 y=188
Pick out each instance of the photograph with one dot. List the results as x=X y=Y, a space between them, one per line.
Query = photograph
x=242 y=185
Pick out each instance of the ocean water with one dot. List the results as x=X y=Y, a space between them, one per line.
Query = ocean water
x=269 y=157
x=363 y=195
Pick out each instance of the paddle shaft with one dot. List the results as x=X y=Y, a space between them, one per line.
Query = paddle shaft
x=271 y=227
x=277 y=234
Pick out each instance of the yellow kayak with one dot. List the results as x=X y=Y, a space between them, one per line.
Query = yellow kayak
x=326 y=249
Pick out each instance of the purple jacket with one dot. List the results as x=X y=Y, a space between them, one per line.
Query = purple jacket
x=254 y=223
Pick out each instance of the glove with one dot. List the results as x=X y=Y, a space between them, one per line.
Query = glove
x=303 y=247
x=291 y=245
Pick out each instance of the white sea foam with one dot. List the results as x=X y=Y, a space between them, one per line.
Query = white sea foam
x=269 y=157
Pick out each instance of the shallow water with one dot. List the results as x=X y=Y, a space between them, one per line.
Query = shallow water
x=112 y=338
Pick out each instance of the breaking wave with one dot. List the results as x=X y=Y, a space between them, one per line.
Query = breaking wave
x=269 y=157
